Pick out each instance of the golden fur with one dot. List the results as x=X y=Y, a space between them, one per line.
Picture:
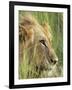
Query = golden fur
x=37 y=40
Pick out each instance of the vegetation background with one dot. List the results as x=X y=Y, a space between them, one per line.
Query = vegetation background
x=55 y=20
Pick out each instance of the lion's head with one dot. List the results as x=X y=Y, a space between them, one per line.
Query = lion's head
x=36 y=41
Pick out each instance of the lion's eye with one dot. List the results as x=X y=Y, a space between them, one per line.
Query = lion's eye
x=43 y=42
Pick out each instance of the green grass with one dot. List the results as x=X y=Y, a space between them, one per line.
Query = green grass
x=55 y=20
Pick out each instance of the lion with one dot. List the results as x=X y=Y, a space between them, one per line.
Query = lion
x=35 y=44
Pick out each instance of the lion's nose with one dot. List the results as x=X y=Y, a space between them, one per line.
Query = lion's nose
x=54 y=61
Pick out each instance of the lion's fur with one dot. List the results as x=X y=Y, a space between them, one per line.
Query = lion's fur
x=30 y=34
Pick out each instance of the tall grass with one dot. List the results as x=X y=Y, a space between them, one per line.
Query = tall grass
x=55 y=20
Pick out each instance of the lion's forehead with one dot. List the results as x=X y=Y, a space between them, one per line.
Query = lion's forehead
x=38 y=32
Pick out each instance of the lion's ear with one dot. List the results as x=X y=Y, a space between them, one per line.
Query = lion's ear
x=26 y=34
x=22 y=33
x=47 y=30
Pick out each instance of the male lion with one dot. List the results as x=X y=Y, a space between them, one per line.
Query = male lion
x=35 y=49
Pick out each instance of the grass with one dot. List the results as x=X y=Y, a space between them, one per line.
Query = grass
x=55 y=20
